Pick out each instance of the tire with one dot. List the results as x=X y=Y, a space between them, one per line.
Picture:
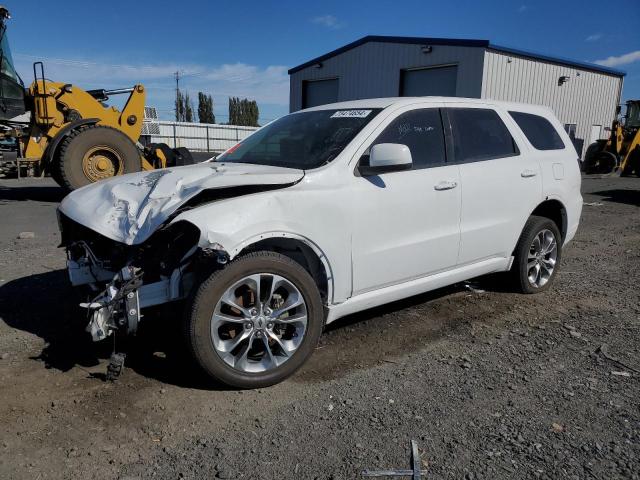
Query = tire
x=589 y=163
x=521 y=268
x=211 y=344
x=85 y=151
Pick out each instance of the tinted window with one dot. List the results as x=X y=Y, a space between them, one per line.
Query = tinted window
x=303 y=140
x=479 y=134
x=539 y=131
x=421 y=131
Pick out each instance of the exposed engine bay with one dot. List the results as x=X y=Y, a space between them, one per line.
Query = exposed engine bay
x=123 y=279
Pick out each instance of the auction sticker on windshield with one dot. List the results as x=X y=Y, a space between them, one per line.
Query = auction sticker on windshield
x=351 y=114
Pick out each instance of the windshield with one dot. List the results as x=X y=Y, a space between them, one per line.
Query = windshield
x=633 y=114
x=303 y=140
x=7 y=59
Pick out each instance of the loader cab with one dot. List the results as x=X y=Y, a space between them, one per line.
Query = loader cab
x=12 y=93
x=632 y=116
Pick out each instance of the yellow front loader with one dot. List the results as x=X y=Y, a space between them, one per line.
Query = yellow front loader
x=71 y=133
x=621 y=151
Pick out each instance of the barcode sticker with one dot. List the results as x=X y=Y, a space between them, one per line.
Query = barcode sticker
x=351 y=114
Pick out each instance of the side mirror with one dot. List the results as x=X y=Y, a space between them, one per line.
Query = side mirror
x=387 y=157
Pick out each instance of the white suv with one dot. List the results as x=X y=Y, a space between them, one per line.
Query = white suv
x=323 y=213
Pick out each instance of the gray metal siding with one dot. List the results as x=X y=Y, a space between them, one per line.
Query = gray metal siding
x=586 y=99
x=373 y=70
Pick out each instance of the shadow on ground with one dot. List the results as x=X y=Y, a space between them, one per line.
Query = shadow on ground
x=39 y=193
x=628 y=197
x=45 y=305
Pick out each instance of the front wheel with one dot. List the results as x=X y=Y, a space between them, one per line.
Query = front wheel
x=256 y=321
x=537 y=255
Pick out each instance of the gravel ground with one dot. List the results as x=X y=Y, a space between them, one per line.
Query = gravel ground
x=490 y=384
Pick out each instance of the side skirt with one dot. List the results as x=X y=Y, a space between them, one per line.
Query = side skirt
x=392 y=293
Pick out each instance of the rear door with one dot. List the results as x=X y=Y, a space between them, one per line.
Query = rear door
x=406 y=224
x=501 y=183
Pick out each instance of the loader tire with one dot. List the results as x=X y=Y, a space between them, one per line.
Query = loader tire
x=95 y=153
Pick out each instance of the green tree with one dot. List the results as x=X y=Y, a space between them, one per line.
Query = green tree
x=188 y=108
x=243 y=112
x=205 y=108
x=179 y=106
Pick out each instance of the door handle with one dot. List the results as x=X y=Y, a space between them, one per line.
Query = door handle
x=445 y=185
x=528 y=173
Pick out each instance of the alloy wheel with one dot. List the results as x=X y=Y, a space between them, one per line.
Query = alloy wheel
x=259 y=323
x=542 y=257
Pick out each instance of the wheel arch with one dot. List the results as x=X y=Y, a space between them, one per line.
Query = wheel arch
x=554 y=210
x=301 y=250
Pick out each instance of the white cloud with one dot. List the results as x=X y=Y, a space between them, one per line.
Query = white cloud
x=522 y=9
x=625 y=59
x=594 y=37
x=267 y=85
x=328 y=21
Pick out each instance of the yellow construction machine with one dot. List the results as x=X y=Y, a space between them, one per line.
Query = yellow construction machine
x=621 y=151
x=71 y=134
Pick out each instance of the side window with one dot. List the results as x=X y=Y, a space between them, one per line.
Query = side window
x=421 y=131
x=539 y=131
x=480 y=134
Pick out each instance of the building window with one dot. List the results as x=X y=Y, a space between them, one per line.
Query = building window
x=420 y=82
x=319 y=92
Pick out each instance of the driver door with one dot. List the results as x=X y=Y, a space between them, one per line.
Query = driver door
x=407 y=223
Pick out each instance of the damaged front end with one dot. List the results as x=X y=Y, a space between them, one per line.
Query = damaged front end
x=125 y=279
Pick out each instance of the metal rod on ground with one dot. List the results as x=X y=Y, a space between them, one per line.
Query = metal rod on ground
x=415 y=473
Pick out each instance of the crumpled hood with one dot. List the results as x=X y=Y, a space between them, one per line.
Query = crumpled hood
x=129 y=208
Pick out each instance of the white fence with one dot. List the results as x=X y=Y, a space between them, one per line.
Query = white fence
x=197 y=137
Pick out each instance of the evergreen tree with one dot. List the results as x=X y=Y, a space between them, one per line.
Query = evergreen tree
x=205 y=108
x=188 y=108
x=179 y=106
x=243 y=112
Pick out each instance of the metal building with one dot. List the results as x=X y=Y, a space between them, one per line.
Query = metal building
x=583 y=96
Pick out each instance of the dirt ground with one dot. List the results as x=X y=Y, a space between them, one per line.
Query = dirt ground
x=490 y=384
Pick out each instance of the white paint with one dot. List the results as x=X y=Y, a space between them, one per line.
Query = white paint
x=379 y=238
x=129 y=208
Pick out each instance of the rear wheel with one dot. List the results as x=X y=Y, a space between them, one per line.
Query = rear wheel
x=95 y=153
x=537 y=255
x=255 y=322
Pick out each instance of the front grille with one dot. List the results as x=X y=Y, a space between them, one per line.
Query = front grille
x=114 y=255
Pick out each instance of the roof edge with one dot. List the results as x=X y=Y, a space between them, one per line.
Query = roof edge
x=557 y=60
x=459 y=42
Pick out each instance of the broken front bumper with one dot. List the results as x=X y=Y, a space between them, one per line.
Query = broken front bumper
x=122 y=294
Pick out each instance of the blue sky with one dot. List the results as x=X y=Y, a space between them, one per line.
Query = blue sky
x=245 y=48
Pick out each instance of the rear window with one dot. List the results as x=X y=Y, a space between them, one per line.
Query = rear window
x=539 y=131
x=480 y=134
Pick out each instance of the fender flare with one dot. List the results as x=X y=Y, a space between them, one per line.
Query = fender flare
x=62 y=134
x=293 y=236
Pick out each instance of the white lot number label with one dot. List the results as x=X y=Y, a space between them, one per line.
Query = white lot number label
x=351 y=114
